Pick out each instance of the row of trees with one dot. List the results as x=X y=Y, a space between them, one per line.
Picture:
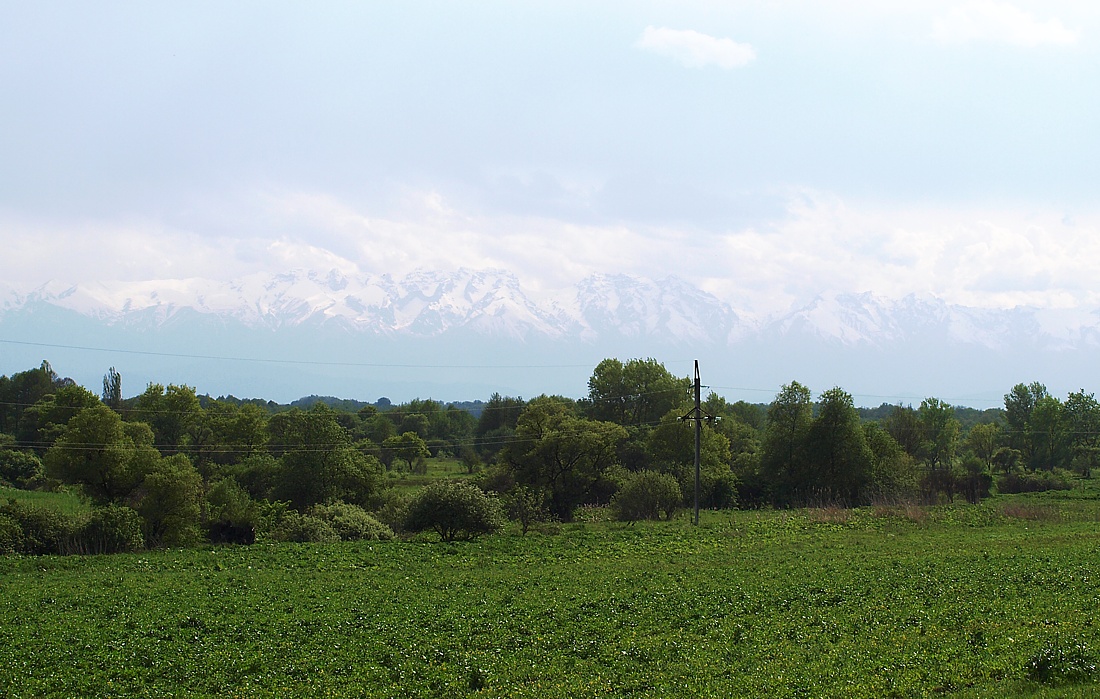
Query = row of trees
x=193 y=467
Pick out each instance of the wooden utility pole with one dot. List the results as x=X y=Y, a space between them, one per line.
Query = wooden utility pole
x=698 y=416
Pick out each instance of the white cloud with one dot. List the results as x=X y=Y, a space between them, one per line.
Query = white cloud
x=987 y=20
x=694 y=49
x=821 y=244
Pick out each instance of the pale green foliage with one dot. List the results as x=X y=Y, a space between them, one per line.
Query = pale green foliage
x=106 y=457
x=453 y=509
x=352 y=522
x=646 y=495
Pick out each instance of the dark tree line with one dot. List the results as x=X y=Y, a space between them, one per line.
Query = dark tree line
x=190 y=468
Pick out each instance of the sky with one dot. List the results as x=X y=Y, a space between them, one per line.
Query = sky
x=766 y=152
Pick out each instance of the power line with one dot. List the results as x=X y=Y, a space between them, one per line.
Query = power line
x=309 y=362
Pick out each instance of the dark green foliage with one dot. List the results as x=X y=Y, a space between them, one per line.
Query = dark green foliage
x=646 y=495
x=111 y=529
x=570 y=458
x=233 y=517
x=639 y=392
x=169 y=501
x=43 y=531
x=1020 y=482
x=22 y=390
x=1056 y=665
x=390 y=508
x=454 y=510
x=496 y=424
x=20 y=468
x=11 y=535
x=526 y=506
x=783 y=462
x=352 y=522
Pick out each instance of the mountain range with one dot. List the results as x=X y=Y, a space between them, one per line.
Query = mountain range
x=434 y=332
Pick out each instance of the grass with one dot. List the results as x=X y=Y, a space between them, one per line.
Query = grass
x=64 y=501
x=969 y=601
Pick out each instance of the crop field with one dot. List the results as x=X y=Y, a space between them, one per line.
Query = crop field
x=999 y=599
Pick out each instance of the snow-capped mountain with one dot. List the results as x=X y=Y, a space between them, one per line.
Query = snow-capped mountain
x=485 y=321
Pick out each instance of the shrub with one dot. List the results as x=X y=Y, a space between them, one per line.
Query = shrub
x=11 y=536
x=44 y=531
x=352 y=522
x=453 y=509
x=233 y=515
x=111 y=529
x=1034 y=482
x=527 y=507
x=304 y=529
x=645 y=495
x=390 y=508
x=21 y=469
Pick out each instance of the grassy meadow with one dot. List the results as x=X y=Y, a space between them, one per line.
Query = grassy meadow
x=998 y=599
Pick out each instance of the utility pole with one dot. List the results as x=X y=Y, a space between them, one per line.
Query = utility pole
x=698 y=416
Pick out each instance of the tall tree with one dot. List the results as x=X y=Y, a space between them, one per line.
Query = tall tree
x=939 y=433
x=1019 y=404
x=1082 y=414
x=639 y=392
x=112 y=389
x=839 y=458
x=783 y=461
x=569 y=457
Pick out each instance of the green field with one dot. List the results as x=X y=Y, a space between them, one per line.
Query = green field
x=1000 y=599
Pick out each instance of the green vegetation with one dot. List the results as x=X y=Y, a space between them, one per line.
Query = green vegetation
x=975 y=601
x=900 y=552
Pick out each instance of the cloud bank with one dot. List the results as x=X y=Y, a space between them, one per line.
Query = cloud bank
x=821 y=243
x=986 y=20
x=693 y=49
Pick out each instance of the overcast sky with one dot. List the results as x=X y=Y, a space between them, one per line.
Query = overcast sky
x=766 y=151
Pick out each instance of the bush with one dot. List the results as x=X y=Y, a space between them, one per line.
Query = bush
x=304 y=529
x=1035 y=482
x=11 y=536
x=352 y=522
x=390 y=508
x=21 y=469
x=44 y=531
x=645 y=495
x=111 y=529
x=453 y=509
x=233 y=515
x=527 y=507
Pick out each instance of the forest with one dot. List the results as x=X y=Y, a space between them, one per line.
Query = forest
x=169 y=468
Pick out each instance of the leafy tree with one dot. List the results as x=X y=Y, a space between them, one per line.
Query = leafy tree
x=21 y=469
x=172 y=412
x=646 y=495
x=904 y=425
x=496 y=424
x=318 y=463
x=983 y=441
x=939 y=433
x=569 y=457
x=453 y=509
x=227 y=433
x=1082 y=414
x=839 y=459
x=22 y=390
x=1049 y=434
x=783 y=460
x=407 y=447
x=636 y=393
x=42 y=422
x=106 y=457
x=170 y=502
x=671 y=447
x=893 y=473
x=526 y=506
x=1019 y=404
x=112 y=390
